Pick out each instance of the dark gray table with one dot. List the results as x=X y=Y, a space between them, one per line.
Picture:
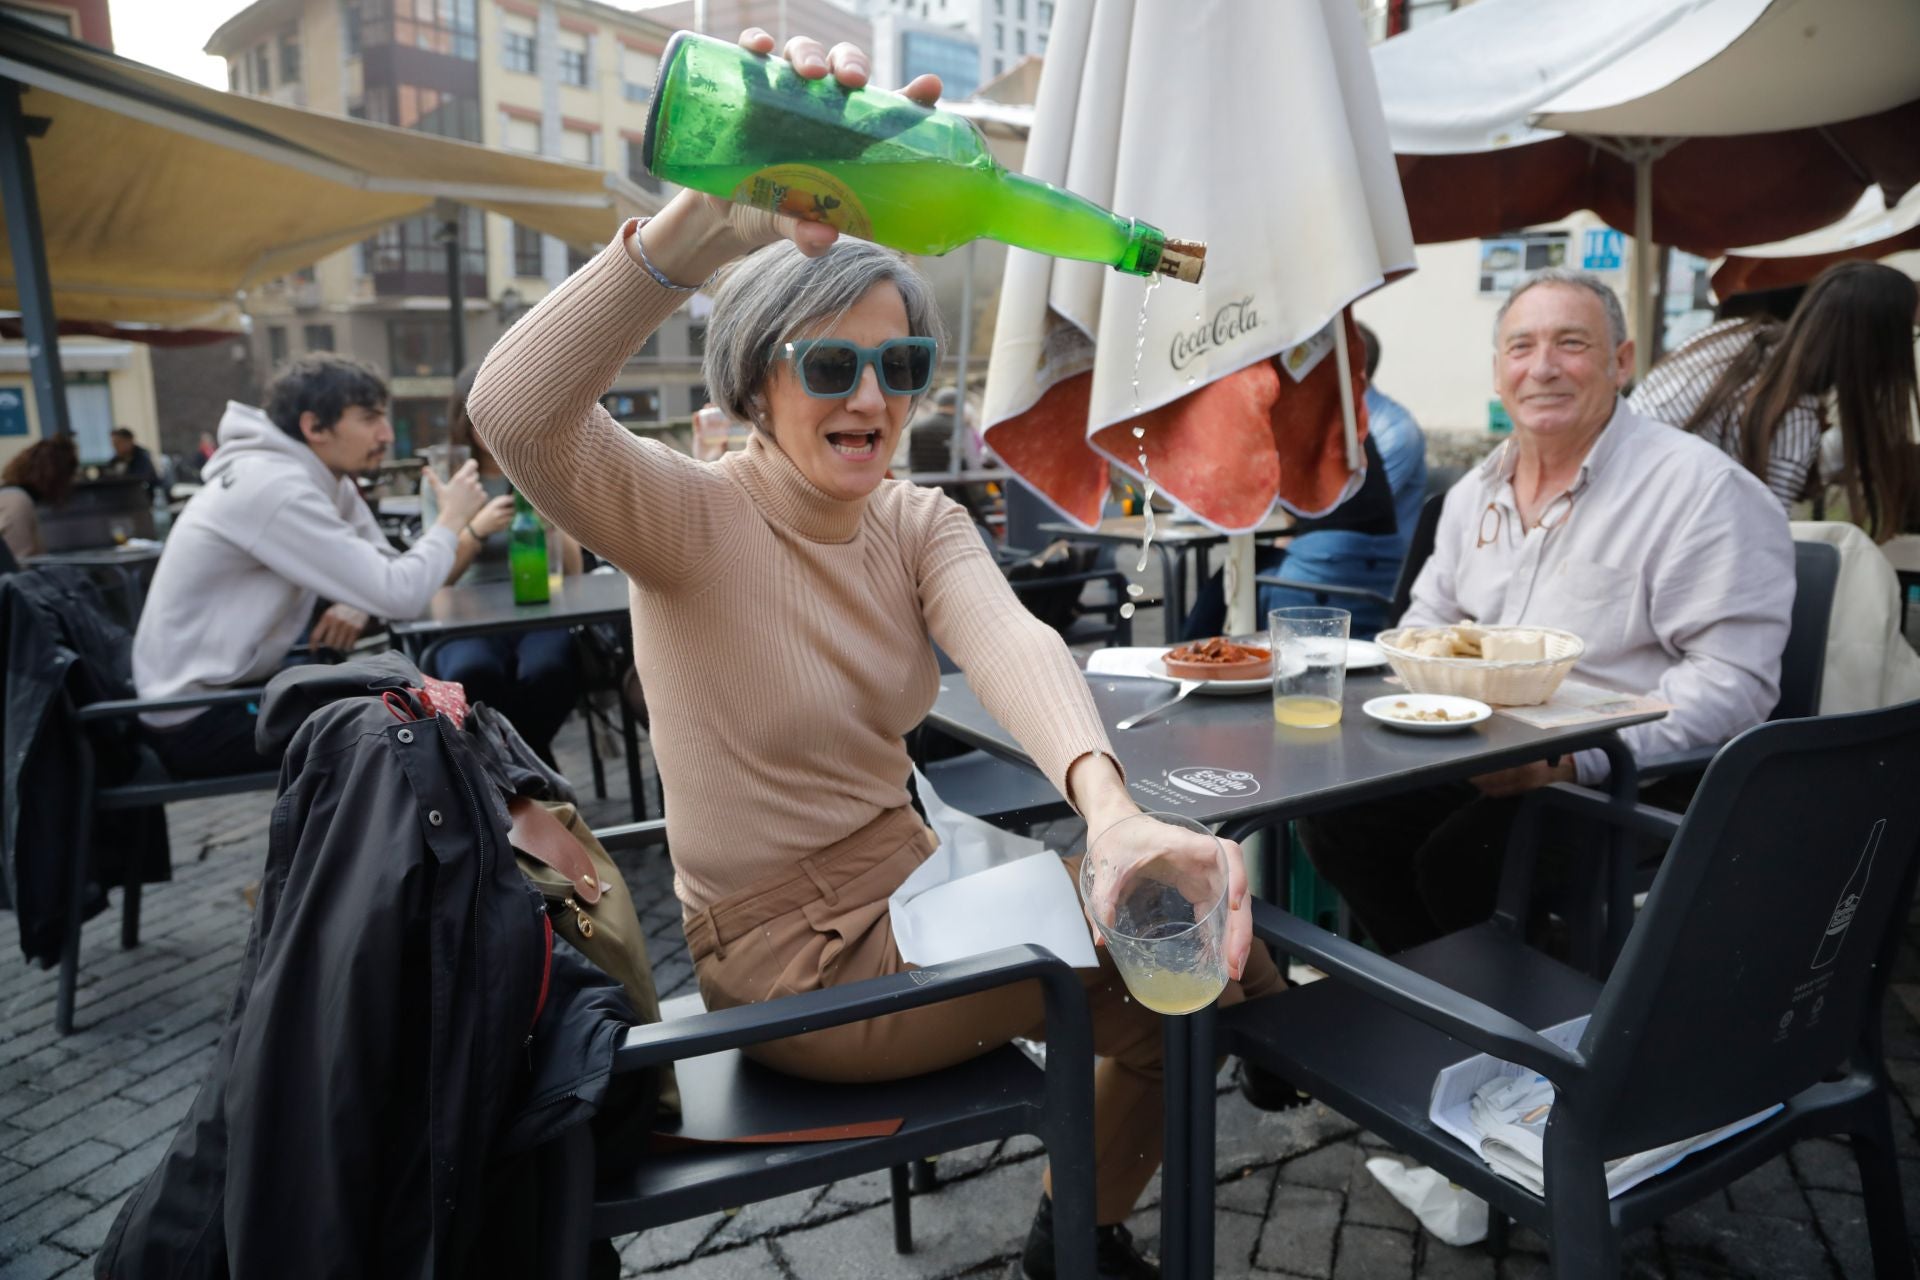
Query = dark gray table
x=487 y=609
x=1173 y=541
x=131 y=565
x=1223 y=761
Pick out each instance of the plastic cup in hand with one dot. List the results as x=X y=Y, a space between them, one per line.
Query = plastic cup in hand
x=1156 y=887
x=1309 y=665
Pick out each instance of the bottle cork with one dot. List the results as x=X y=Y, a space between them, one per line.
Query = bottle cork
x=1183 y=260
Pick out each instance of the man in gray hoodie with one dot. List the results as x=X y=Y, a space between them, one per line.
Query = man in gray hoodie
x=278 y=527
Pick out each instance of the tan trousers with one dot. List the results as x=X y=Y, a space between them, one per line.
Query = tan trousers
x=827 y=923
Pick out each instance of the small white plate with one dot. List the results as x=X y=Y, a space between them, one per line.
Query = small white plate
x=1363 y=655
x=1385 y=709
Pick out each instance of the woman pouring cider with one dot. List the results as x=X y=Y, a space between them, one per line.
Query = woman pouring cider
x=785 y=773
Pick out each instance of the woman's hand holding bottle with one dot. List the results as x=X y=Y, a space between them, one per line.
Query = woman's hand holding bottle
x=697 y=234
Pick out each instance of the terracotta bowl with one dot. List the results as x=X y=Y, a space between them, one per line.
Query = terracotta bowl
x=1248 y=669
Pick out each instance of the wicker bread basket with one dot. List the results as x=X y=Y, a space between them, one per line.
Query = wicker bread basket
x=1501 y=684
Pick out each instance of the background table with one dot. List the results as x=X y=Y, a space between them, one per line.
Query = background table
x=487 y=609
x=1173 y=540
x=131 y=566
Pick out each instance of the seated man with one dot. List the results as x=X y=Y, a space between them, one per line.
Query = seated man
x=132 y=459
x=278 y=526
x=1661 y=552
x=1343 y=557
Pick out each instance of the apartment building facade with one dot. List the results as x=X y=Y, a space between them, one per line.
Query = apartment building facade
x=566 y=79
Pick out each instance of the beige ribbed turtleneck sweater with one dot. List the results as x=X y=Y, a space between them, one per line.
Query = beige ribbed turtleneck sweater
x=781 y=634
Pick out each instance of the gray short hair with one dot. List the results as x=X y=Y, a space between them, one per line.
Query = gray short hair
x=1616 y=317
x=772 y=294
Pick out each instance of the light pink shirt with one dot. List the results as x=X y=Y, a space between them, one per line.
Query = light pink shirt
x=1671 y=562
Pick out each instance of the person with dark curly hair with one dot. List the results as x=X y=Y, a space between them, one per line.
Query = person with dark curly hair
x=41 y=473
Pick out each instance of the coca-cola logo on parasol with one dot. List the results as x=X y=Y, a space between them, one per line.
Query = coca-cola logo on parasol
x=1231 y=321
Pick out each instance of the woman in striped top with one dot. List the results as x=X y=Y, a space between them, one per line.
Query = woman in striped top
x=1765 y=392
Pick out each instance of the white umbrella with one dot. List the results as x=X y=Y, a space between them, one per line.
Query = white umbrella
x=1641 y=78
x=1257 y=129
x=1872 y=231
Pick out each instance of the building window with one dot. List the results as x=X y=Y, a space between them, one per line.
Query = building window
x=407 y=257
x=528 y=255
x=637 y=70
x=999 y=8
x=577 y=145
x=449 y=27
x=696 y=397
x=637 y=167
x=521 y=135
x=519 y=53
x=420 y=346
x=999 y=67
x=276 y=345
x=1020 y=9
x=1020 y=40
x=1045 y=10
x=262 y=67
x=576 y=259
x=575 y=58
x=289 y=57
x=435 y=111
x=350 y=27
x=642 y=405
x=233 y=77
x=319 y=337
x=952 y=56
x=697 y=339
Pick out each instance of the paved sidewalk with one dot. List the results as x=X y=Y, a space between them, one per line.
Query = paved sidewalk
x=84 y=1117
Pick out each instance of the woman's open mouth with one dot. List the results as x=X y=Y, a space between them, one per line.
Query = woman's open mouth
x=855 y=445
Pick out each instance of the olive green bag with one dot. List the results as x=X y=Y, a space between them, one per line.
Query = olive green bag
x=588 y=902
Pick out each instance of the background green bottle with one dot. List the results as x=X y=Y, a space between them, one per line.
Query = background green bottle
x=527 y=552
x=748 y=128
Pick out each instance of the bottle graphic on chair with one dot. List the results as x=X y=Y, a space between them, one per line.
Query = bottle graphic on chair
x=1843 y=911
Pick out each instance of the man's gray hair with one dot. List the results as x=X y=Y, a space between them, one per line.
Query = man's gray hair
x=773 y=294
x=1616 y=317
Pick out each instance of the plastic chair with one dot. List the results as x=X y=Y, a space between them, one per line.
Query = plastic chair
x=1755 y=975
x=150 y=784
x=997 y=1095
x=1419 y=547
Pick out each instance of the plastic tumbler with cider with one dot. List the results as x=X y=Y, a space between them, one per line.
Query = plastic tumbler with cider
x=1309 y=665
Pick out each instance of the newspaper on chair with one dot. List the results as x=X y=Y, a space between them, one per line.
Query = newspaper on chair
x=1500 y=1110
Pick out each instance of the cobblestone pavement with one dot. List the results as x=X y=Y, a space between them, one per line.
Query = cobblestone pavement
x=84 y=1117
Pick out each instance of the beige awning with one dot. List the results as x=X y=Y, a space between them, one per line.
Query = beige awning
x=160 y=198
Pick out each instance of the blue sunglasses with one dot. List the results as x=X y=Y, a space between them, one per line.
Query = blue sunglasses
x=830 y=368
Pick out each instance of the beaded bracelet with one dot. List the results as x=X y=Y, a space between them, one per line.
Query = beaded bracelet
x=659 y=277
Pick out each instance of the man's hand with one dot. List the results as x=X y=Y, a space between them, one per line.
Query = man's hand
x=339 y=629
x=460 y=498
x=495 y=516
x=1524 y=778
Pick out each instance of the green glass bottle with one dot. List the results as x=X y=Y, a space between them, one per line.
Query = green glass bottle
x=748 y=128
x=527 y=553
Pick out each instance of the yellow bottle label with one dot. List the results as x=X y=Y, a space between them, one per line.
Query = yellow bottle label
x=802 y=191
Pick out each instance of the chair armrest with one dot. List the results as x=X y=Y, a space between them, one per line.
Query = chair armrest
x=632 y=835
x=1434 y=1003
x=121 y=708
x=1645 y=819
x=1323 y=588
x=1692 y=760
x=747 y=1024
